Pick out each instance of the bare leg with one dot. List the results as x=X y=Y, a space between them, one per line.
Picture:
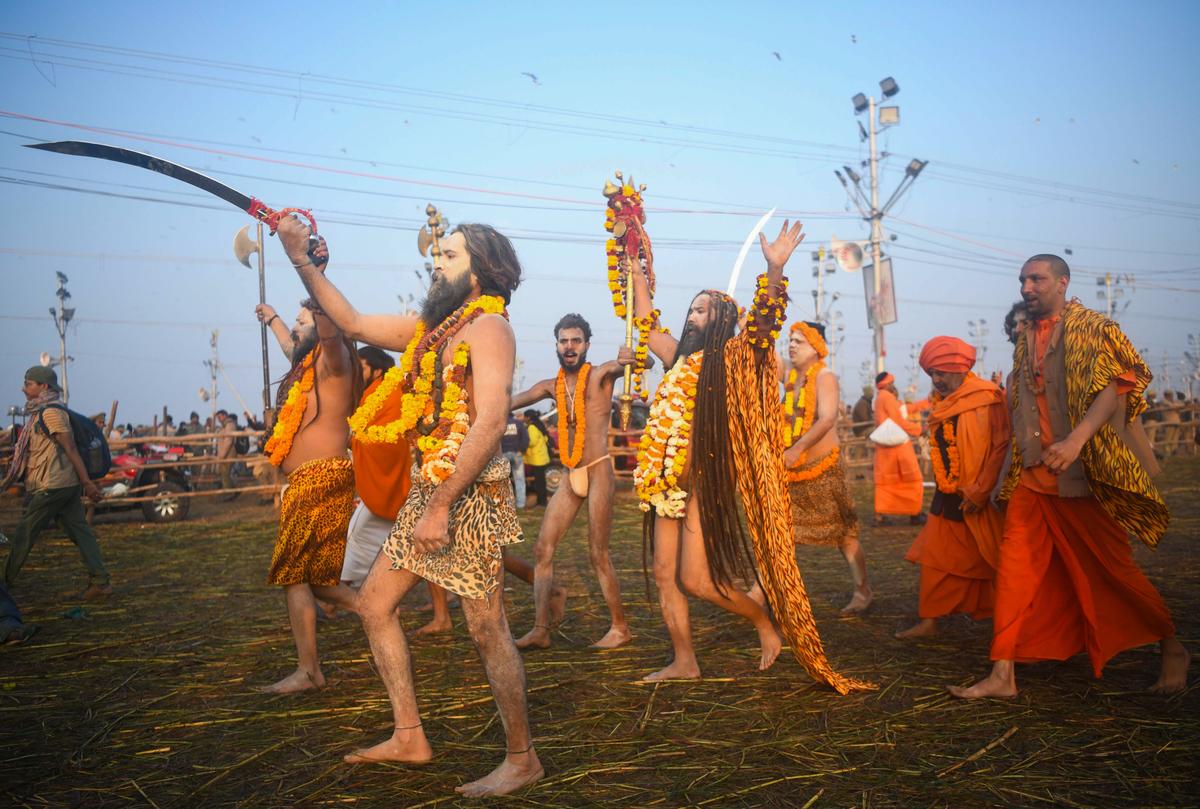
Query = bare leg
x=696 y=579
x=302 y=613
x=667 y=540
x=378 y=599
x=1175 y=661
x=924 y=628
x=339 y=596
x=600 y=501
x=517 y=566
x=857 y=560
x=506 y=676
x=440 y=622
x=561 y=511
x=1002 y=683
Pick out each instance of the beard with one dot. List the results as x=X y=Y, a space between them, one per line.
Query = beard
x=574 y=363
x=444 y=297
x=302 y=345
x=691 y=340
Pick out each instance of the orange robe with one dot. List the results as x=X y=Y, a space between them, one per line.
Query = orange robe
x=899 y=488
x=1067 y=582
x=381 y=471
x=958 y=552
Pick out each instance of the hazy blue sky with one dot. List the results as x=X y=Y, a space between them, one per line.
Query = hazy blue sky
x=1047 y=126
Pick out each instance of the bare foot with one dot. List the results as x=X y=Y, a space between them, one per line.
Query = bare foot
x=675 y=671
x=1175 y=661
x=536 y=638
x=408 y=746
x=558 y=604
x=992 y=686
x=515 y=772
x=924 y=628
x=327 y=609
x=613 y=638
x=771 y=644
x=859 y=603
x=434 y=627
x=299 y=680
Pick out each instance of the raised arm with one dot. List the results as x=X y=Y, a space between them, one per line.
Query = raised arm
x=267 y=315
x=386 y=331
x=335 y=355
x=539 y=390
x=493 y=350
x=768 y=311
x=662 y=344
x=615 y=368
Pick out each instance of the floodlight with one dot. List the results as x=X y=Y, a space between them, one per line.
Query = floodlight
x=860 y=102
x=889 y=87
x=852 y=174
x=889 y=116
x=915 y=167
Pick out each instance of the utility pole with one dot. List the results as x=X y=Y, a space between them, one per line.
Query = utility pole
x=914 y=368
x=870 y=209
x=1113 y=289
x=978 y=331
x=1192 y=358
x=214 y=368
x=62 y=316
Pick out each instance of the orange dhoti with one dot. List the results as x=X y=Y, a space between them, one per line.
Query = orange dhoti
x=1067 y=583
x=955 y=577
x=313 y=518
x=899 y=487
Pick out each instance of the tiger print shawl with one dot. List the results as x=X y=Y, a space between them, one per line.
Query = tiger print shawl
x=1096 y=351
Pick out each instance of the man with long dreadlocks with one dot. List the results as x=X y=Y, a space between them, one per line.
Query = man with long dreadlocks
x=455 y=380
x=713 y=430
x=308 y=444
x=822 y=511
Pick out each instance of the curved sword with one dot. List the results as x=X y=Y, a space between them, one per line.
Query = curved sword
x=741 y=256
x=118 y=154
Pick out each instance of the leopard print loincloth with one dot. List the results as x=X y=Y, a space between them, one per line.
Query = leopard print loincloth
x=313 y=517
x=482 y=521
x=822 y=510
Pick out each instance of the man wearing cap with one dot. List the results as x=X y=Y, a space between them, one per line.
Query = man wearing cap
x=45 y=457
x=959 y=547
x=899 y=487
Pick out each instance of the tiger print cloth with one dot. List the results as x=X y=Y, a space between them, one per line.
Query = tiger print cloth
x=1096 y=352
x=822 y=510
x=482 y=521
x=756 y=412
x=313 y=518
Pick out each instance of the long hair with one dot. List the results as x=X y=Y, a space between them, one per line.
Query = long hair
x=493 y=259
x=710 y=456
x=535 y=418
x=294 y=373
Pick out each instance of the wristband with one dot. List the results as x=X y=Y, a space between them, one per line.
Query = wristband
x=272 y=317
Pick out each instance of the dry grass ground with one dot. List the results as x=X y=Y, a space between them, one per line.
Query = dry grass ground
x=149 y=699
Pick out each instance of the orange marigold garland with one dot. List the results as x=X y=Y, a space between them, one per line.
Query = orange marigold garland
x=945 y=457
x=663 y=449
x=573 y=454
x=802 y=402
x=799 y=474
x=766 y=313
x=287 y=423
x=434 y=421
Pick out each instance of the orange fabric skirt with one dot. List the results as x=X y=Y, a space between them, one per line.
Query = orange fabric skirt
x=954 y=575
x=314 y=514
x=899 y=488
x=1068 y=583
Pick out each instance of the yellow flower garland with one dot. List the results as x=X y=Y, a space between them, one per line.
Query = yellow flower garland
x=291 y=415
x=805 y=401
x=766 y=313
x=663 y=449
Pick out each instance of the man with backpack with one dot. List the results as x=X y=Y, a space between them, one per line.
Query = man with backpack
x=55 y=476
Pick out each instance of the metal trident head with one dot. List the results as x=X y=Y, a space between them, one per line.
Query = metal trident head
x=430 y=234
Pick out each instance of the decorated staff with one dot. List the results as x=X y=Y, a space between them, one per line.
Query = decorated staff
x=625 y=219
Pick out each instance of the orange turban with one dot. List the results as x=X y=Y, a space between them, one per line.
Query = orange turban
x=883 y=383
x=948 y=354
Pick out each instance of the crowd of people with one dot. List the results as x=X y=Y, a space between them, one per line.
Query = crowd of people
x=1040 y=480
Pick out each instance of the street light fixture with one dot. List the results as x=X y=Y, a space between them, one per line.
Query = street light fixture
x=889 y=87
x=860 y=103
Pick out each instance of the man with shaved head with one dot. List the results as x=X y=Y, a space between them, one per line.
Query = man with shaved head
x=1078 y=488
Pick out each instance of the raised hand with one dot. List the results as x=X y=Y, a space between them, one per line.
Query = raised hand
x=265 y=312
x=779 y=251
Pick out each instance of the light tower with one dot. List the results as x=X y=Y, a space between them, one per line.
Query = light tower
x=62 y=316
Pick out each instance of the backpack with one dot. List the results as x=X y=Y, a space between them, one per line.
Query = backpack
x=89 y=441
